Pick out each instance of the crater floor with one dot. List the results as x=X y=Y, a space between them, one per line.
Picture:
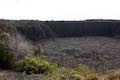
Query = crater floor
x=99 y=52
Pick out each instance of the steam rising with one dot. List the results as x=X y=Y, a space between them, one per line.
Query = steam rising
x=20 y=45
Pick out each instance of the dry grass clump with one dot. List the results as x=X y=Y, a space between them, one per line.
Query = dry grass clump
x=110 y=75
x=81 y=72
x=2 y=74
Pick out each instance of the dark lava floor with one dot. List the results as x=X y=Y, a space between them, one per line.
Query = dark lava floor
x=99 y=52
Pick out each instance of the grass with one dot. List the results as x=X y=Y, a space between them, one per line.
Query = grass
x=2 y=73
x=80 y=72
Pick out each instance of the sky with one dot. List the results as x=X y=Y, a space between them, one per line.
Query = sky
x=59 y=9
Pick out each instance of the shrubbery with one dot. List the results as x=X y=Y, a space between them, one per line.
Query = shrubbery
x=37 y=50
x=6 y=58
x=33 y=64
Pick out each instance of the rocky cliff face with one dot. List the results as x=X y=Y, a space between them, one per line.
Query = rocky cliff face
x=42 y=30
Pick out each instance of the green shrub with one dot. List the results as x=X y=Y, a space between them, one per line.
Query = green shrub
x=33 y=64
x=37 y=50
x=6 y=58
x=5 y=37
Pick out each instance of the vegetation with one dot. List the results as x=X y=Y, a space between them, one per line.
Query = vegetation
x=81 y=72
x=6 y=26
x=33 y=64
x=6 y=57
x=37 y=50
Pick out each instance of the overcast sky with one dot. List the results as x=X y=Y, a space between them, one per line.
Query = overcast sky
x=59 y=9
